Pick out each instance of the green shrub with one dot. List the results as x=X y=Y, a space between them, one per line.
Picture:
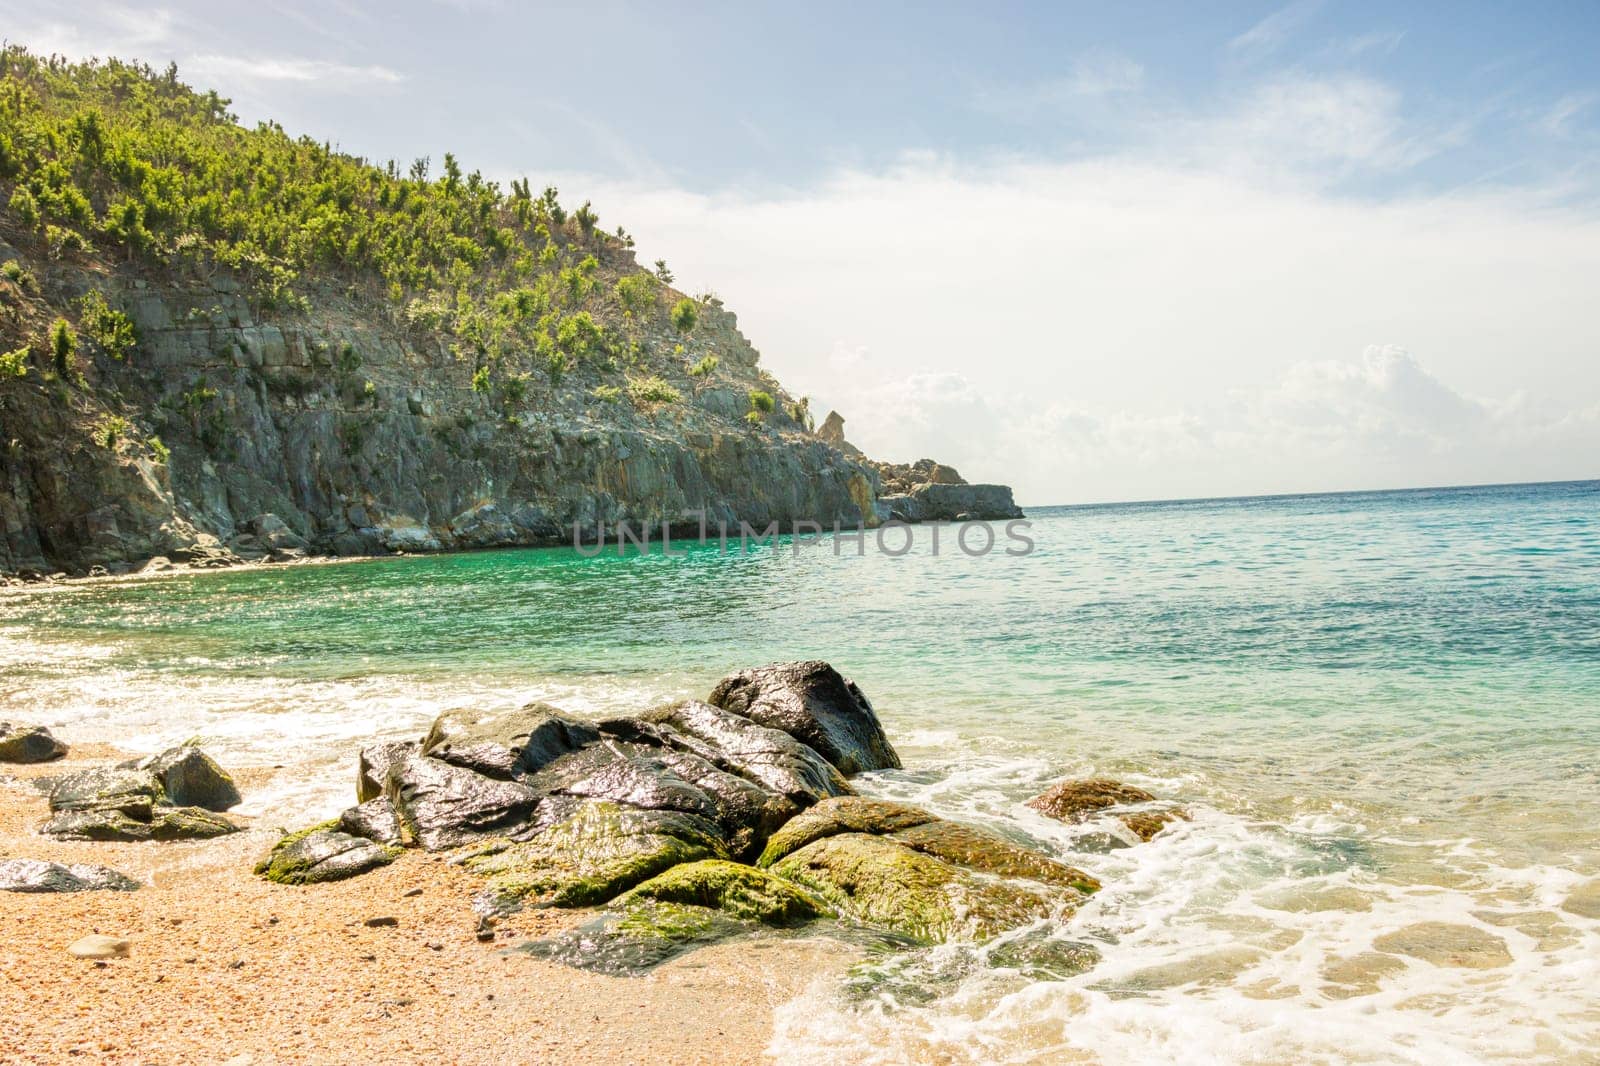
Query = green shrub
x=63 y=346
x=112 y=431
x=25 y=208
x=685 y=315
x=480 y=379
x=649 y=390
x=704 y=367
x=106 y=326
x=762 y=402
x=607 y=393
x=159 y=451
x=638 y=292
x=20 y=276
x=663 y=273
x=14 y=364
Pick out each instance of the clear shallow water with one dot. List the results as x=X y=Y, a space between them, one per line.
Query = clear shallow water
x=1382 y=709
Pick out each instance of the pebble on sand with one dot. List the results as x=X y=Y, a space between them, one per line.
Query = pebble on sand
x=98 y=946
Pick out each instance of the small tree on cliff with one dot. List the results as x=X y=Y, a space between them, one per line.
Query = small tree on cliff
x=63 y=346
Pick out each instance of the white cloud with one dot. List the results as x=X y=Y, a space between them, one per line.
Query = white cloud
x=1156 y=329
x=1558 y=120
x=233 y=69
x=1088 y=80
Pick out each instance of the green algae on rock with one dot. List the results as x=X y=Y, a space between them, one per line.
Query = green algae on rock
x=597 y=852
x=322 y=853
x=190 y=778
x=732 y=889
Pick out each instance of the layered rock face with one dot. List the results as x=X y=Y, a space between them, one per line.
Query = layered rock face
x=343 y=432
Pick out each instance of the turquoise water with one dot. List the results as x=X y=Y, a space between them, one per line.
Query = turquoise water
x=1381 y=708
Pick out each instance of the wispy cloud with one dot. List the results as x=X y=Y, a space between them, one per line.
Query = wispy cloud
x=1273 y=32
x=1087 y=80
x=232 y=69
x=1561 y=118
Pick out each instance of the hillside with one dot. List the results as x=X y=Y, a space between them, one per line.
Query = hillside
x=221 y=342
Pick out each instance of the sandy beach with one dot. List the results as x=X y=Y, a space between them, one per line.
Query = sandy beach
x=225 y=967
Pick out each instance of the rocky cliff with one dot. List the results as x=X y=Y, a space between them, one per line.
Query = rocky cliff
x=229 y=431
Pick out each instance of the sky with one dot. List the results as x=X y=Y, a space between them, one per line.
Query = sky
x=1097 y=252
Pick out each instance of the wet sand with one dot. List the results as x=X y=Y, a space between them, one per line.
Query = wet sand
x=226 y=967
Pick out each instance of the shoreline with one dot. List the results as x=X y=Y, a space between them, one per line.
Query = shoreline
x=225 y=966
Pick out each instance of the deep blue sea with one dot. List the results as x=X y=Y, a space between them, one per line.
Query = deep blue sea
x=1381 y=709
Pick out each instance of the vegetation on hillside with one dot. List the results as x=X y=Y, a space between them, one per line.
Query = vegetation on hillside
x=125 y=162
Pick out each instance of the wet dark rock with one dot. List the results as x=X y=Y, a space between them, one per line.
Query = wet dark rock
x=34 y=875
x=133 y=792
x=814 y=704
x=375 y=820
x=28 y=744
x=372 y=766
x=442 y=806
x=322 y=853
x=649 y=774
x=1080 y=800
x=191 y=778
x=507 y=745
x=770 y=757
x=638 y=940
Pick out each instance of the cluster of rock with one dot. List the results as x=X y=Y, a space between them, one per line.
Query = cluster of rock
x=686 y=822
x=175 y=795
x=924 y=491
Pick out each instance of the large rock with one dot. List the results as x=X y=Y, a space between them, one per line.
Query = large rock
x=191 y=778
x=375 y=820
x=442 y=806
x=905 y=870
x=322 y=853
x=28 y=743
x=507 y=745
x=814 y=704
x=164 y=823
x=34 y=875
x=1080 y=800
x=132 y=792
x=598 y=851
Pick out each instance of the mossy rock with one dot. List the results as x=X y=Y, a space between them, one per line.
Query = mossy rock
x=737 y=891
x=841 y=814
x=880 y=881
x=191 y=778
x=598 y=852
x=164 y=823
x=638 y=939
x=322 y=853
x=920 y=830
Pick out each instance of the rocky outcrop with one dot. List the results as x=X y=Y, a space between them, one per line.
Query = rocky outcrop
x=190 y=778
x=832 y=432
x=692 y=823
x=34 y=875
x=28 y=744
x=950 y=503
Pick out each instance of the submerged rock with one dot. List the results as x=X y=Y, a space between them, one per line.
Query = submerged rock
x=594 y=854
x=190 y=778
x=322 y=853
x=28 y=744
x=34 y=875
x=814 y=704
x=906 y=870
x=1078 y=801
x=508 y=745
